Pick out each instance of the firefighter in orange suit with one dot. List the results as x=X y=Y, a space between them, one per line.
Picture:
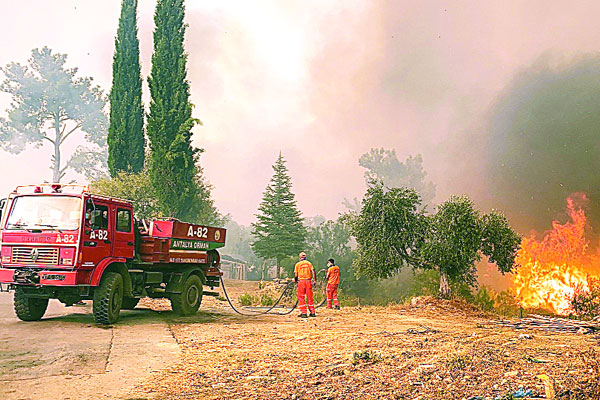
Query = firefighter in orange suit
x=304 y=274
x=333 y=280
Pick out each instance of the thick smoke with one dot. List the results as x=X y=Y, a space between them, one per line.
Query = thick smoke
x=543 y=142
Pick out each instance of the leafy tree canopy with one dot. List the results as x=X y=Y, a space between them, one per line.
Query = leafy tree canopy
x=131 y=186
x=383 y=165
x=329 y=239
x=50 y=104
x=389 y=230
x=138 y=188
x=453 y=241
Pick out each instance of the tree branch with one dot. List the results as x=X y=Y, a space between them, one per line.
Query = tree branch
x=48 y=139
x=69 y=133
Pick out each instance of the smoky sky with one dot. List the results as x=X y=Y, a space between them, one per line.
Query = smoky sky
x=544 y=141
x=324 y=82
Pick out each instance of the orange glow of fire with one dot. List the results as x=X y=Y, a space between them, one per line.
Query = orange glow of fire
x=551 y=268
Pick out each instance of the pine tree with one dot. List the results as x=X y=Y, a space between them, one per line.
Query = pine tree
x=173 y=170
x=126 y=140
x=279 y=231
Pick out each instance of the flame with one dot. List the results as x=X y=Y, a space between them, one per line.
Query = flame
x=550 y=269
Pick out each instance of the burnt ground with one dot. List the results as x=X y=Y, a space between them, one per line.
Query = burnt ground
x=429 y=349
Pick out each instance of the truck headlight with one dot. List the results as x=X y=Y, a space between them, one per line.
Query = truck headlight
x=66 y=255
x=6 y=254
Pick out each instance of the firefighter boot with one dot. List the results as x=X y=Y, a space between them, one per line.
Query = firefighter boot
x=313 y=315
x=303 y=315
x=337 y=307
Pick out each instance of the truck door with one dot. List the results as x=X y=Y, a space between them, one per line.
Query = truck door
x=97 y=233
x=123 y=233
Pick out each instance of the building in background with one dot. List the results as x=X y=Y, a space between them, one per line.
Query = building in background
x=233 y=268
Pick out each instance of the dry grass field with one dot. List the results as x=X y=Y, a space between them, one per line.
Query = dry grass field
x=429 y=349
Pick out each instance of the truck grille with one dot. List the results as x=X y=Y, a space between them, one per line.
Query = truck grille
x=35 y=255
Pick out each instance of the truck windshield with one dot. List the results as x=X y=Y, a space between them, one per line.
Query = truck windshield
x=45 y=212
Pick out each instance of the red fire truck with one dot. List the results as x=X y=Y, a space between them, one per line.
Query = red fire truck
x=63 y=242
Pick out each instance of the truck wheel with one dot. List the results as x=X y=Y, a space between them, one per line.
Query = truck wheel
x=129 y=303
x=29 y=308
x=188 y=301
x=108 y=298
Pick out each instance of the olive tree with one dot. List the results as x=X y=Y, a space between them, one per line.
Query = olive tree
x=391 y=233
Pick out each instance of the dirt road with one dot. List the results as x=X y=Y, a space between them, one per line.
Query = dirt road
x=67 y=356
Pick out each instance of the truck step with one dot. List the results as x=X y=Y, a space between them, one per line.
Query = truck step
x=213 y=294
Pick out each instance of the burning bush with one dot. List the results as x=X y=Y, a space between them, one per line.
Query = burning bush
x=552 y=268
x=585 y=302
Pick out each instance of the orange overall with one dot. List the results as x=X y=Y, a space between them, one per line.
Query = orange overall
x=333 y=280
x=304 y=272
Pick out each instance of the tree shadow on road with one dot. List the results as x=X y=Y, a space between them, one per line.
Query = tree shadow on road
x=137 y=316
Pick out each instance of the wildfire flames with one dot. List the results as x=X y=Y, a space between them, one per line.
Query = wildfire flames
x=551 y=268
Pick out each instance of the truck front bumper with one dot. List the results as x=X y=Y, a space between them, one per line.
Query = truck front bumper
x=20 y=276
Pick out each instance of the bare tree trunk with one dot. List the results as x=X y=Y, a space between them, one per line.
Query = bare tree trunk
x=56 y=167
x=278 y=269
x=444 y=285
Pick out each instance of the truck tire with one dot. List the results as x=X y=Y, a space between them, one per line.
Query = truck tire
x=29 y=308
x=108 y=298
x=129 y=303
x=188 y=301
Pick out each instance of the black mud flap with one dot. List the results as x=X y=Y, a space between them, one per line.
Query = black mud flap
x=175 y=283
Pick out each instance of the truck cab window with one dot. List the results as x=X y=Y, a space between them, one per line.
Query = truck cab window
x=123 y=220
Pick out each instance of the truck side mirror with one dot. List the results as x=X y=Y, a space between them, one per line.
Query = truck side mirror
x=90 y=216
x=89 y=206
x=2 y=204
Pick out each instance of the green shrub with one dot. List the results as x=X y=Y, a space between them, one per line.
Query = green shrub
x=246 y=299
x=506 y=304
x=457 y=362
x=266 y=300
x=365 y=356
x=348 y=300
x=484 y=298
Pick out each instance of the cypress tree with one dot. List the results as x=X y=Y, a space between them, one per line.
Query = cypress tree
x=279 y=231
x=126 y=140
x=173 y=170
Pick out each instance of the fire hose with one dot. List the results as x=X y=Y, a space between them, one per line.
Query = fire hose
x=256 y=313
x=270 y=308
